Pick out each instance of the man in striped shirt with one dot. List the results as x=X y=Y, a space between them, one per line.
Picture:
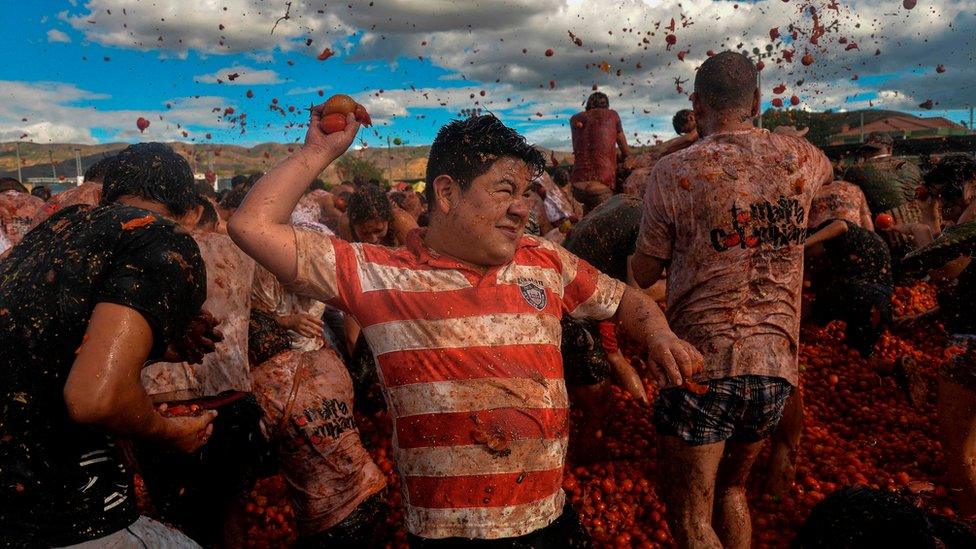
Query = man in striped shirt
x=465 y=325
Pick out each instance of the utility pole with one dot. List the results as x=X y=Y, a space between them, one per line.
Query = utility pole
x=79 y=175
x=389 y=162
x=54 y=170
x=20 y=176
x=862 y=126
x=971 y=120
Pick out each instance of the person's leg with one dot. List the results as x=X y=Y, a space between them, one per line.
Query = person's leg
x=731 y=515
x=784 y=447
x=957 y=427
x=687 y=483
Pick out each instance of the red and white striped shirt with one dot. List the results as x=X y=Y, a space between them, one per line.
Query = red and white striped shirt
x=471 y=370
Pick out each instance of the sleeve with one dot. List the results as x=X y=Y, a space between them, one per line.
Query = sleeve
x=587 y=293
x=158 y=272
x=265 y=291
x=328 y=269
x=656 y=236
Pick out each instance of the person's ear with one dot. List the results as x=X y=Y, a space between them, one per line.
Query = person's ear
x=446 y=193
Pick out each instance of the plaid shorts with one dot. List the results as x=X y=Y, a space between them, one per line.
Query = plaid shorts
x=740 y=408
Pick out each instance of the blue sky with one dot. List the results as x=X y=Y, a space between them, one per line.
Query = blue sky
x=164 y=58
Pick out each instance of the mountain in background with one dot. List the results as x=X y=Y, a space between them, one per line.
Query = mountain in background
x=403 y=163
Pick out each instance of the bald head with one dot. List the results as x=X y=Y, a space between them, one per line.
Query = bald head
x=726 y=82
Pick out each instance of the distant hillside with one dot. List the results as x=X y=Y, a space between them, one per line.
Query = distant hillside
x=823 y=124
x=402 y=163
x=226 y=160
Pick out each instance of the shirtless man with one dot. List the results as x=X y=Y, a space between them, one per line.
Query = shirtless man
x=727 y=217
x=597 y=133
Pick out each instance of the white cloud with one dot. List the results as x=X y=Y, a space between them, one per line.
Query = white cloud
x=242 y=76
x=51 y=111
x=483 y=42
x=54 y=35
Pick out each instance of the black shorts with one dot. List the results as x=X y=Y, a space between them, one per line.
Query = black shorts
x=740 y=408
x=565 y=531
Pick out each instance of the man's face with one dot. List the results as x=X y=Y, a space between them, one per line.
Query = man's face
x=489 y=216
x=372 y=231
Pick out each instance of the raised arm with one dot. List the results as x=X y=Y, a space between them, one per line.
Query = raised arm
x=261 y=225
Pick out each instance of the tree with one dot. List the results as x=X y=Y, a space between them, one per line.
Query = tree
x=352 y=167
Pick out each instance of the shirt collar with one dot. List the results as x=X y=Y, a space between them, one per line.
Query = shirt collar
x=415 y=243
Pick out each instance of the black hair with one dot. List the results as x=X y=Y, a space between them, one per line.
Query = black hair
x=151 y=171
x=726 y=81
x=239 y=180
x=948 y=177
x=466 y=149
x=232 y=200
x=862 y=517
x=591 y=101
x=368 y=202
x=399 y=198
x=265 y=337
x=42 y=192
x=560 y=176
x=11 y=184
x=96 y=172
x=317 y=185
x=208 y=215
x=204 y=188
x=681 y=119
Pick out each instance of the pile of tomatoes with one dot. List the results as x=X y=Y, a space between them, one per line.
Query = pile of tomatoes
x=860 y=428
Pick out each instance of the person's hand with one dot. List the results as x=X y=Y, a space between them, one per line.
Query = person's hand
x=630 y=162
x=672 y=360
x=200 y=339
x=189 y=433
x=333 y=144
x=306 y=325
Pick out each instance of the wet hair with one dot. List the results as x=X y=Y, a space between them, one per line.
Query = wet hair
x=317 y=185
x=204 y=188
x=11 y=184
x=726 y=81
x=96 y=172
x=151 y=171
x=466 y=149
x=367 y=203
x=265 y=337
x=560 y=176
x=42 y=192
x=949 y=176
x=208 y=214
x=597 y=100
x=862 y=517
x=399 y=198
x=232 y=200
x=239 y=180
x=681 y=119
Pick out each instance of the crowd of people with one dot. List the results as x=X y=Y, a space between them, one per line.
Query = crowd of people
x=151 y=325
